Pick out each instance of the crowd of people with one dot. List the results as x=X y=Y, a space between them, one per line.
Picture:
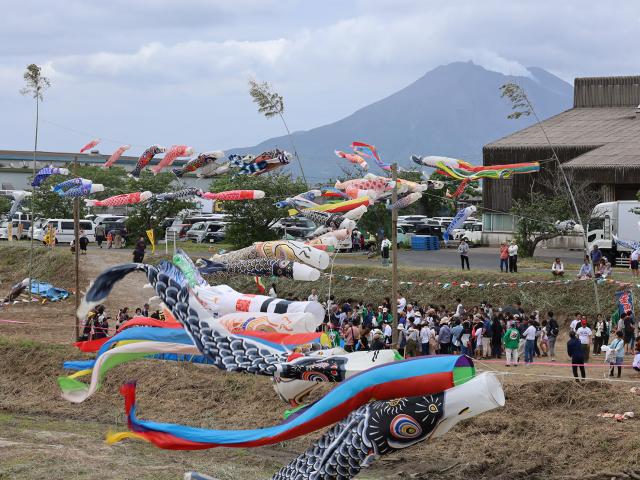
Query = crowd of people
x=480 y=331
x=96 y=325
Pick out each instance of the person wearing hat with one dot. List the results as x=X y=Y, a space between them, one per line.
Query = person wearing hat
x=411 y=333
x=585 y=335
x=511 y=340
x=444 y=336
x=425 y=336
x=513 y=257
x=377 y=339
x=402 y=337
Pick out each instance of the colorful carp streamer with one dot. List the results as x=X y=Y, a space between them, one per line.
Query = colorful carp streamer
x=262 y=267
x=630 y=244
x=115 y=156
x=461 y=170
x=45 y=173
x=234 y=195
x=204 y=161
x=263 y=163
x=174 y=152
x=353 y=158
x=370 y=152
x=90 y=145
x=459 y=220
x=178 y=195
x=279 y=250
x=405 y=201
x=77 y=187
x=119 y=200
x=145 y=158
x=18 y=198
x=188 y=269
x=369 y=182
x=333 y=192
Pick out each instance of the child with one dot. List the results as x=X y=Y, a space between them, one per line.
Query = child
x=636 y=358
x=109 y=239
x=511 y=340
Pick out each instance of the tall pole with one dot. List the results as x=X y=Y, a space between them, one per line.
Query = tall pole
x=76 y=250
x=33 y=218
x=394 y=253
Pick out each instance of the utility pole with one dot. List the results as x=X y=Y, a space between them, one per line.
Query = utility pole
x=394 y=254
x=76 y=250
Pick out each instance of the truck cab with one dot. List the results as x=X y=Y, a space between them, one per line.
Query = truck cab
x=614 y=219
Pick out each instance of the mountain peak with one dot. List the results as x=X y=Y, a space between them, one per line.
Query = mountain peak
x=452 y=110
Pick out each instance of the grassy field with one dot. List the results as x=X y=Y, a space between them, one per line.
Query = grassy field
x=549 y=428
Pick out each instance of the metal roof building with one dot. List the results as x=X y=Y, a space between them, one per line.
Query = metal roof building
x=598 y=140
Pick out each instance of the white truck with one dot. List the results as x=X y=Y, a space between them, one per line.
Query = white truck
x=620 y=219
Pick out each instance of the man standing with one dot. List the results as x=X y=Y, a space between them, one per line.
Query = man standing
x=314 y=295
x=401 y=303
x=444 y=336
x=596 y=255
x=584 y=335
x=635 y=256
x=513 y=257
x=99 y=235
x=553 y=330
x=385 y=247
x=530 y=339
x=138 y=251
x=511 y=340
x=504 y=257
x=463 y=250
x=411 y=349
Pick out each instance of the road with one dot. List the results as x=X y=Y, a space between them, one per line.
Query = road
x=485 y=258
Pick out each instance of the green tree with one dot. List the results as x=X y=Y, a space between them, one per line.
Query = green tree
x=5 y=205
x=249 y=222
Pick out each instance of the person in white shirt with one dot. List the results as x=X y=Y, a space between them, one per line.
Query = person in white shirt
x=463 y=250
x=513 y=257
x=584 y=335
x=388 y=332
x=314 y=295
x=557 y=268
x=530 y=340
x=459 y=308
x=574 y=323
x=635 y=256
x=402 y=303
x=425 y=335
x=586 y=271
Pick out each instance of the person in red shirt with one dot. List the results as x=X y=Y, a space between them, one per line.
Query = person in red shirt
x=504 y=257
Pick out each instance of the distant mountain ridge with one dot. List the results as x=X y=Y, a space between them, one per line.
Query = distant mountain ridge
x=453 y=110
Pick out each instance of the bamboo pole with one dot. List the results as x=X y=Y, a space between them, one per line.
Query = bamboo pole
x=76 y=242
x=394 y=254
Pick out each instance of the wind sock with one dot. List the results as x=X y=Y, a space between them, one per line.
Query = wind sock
x=46 y=172
x=333 y=192
x=18 y=199
x=405 y=201
x=90 y=145
x=180 y=194
x=189 y=269
x=630 y=244
x=119 y=200
x=461 y=170
x=341 y=207
x=371 y=152
x=263 y=163
x=205 y=159
x=421 y=376
x=353 y=158
x=233 y=195
x=115 y=156
x=77 y=187
x=369 y=182
x=174 y=152
x=459 y=220
x=145 y=158
x=261 y=267
x=278 y=250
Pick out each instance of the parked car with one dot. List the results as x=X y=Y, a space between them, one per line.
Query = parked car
x=209 y=232
x=294 y=227
x=64 y=228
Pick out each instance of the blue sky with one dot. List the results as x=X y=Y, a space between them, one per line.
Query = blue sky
x=175 y=72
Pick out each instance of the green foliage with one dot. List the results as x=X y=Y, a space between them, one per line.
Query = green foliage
x=520 y=103
x=5 y=205
x=536 y=217
x=270 y=103
x=249 y=222
x=35 y=82
x=142 y=217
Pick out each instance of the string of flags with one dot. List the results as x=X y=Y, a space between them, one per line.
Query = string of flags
x=482 y=285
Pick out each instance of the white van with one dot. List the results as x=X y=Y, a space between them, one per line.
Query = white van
x=64 y=230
